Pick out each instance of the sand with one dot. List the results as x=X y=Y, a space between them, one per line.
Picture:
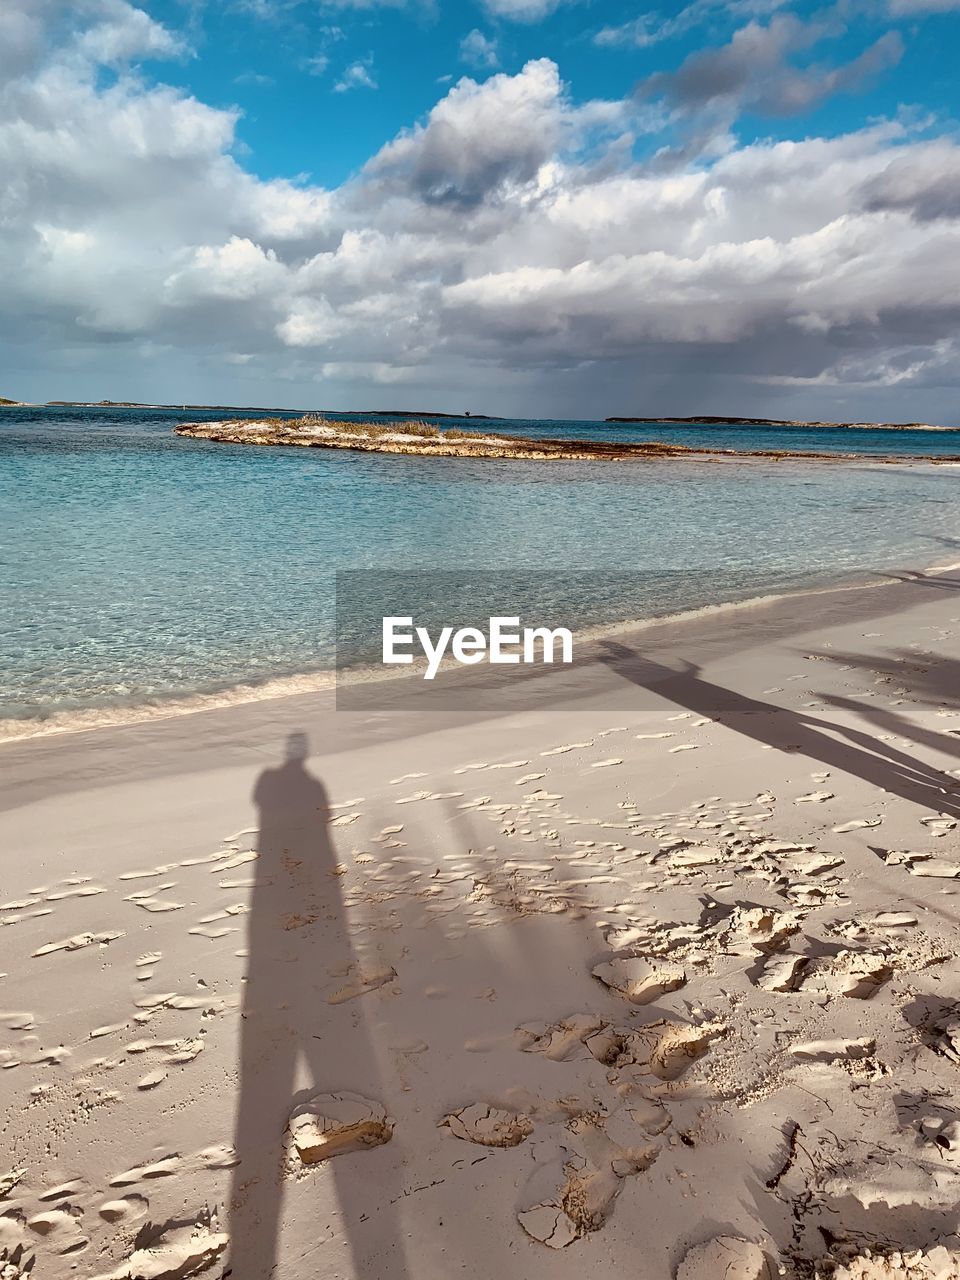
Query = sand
x=655 y=975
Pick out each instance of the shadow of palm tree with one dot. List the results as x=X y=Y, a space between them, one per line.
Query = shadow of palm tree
x=860 y=754
x=934 y=678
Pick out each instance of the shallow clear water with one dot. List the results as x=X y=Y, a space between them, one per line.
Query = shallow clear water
x=138 y=565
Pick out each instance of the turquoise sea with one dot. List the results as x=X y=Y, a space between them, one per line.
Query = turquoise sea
x=138 y=566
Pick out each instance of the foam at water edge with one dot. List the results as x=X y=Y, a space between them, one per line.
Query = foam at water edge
x=92 y=718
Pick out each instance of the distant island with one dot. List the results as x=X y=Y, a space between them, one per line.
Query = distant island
x=4 y=400
x=243 y=408
x=426 y=440
x=714 y=420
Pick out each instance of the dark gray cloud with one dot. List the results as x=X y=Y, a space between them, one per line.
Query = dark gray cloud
x=924 y=183
x=755 y=71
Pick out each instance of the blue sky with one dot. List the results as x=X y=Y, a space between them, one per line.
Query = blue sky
x=539 y=207
x=280 y=62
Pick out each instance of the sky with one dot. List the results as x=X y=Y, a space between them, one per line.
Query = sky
x=529 y=208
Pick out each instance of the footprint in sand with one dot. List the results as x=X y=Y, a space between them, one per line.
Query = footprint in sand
x=237 y=860
x=857 y=974
x=60 y=1228
x=17 y=1020
x=330 y=1124
x=152 y=1079
x=219 y=1156
x=150 y=902
x=429 y=795
x=939 y=823
x=591 y=1175
x=639 y=980
x=666 y=1049
x=174 y=1051
x=208 y=931
x=30 y=1052
x=173 y=1251
x=924 y=865
x=111 y=1030
x=83 y=891
x=78 y=942
x=218 y=856
x=346 y=819
x=238 y=835
x=167 y=1167
x=678 y=1046
x=488 y=1126
x=361 y=984
x=61 y=1191
x=727 y=1258
x=834 y=1050
x=235 y=909
x=128 y=1209
x=817 y=864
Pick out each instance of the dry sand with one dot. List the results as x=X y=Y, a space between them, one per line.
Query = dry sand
x=658 y=978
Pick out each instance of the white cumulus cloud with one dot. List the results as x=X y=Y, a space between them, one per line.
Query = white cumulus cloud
x=507 y=251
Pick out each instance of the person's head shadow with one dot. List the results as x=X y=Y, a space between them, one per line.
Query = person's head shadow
x=294 y=808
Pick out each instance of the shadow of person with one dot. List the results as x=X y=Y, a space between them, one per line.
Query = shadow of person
x=299 y=950
x=852 y=751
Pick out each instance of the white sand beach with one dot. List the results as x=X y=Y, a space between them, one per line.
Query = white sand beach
x=658 y=978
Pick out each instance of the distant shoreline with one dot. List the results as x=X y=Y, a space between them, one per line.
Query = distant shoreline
x=242 y=408
x=710 y=420
x=703 y=420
